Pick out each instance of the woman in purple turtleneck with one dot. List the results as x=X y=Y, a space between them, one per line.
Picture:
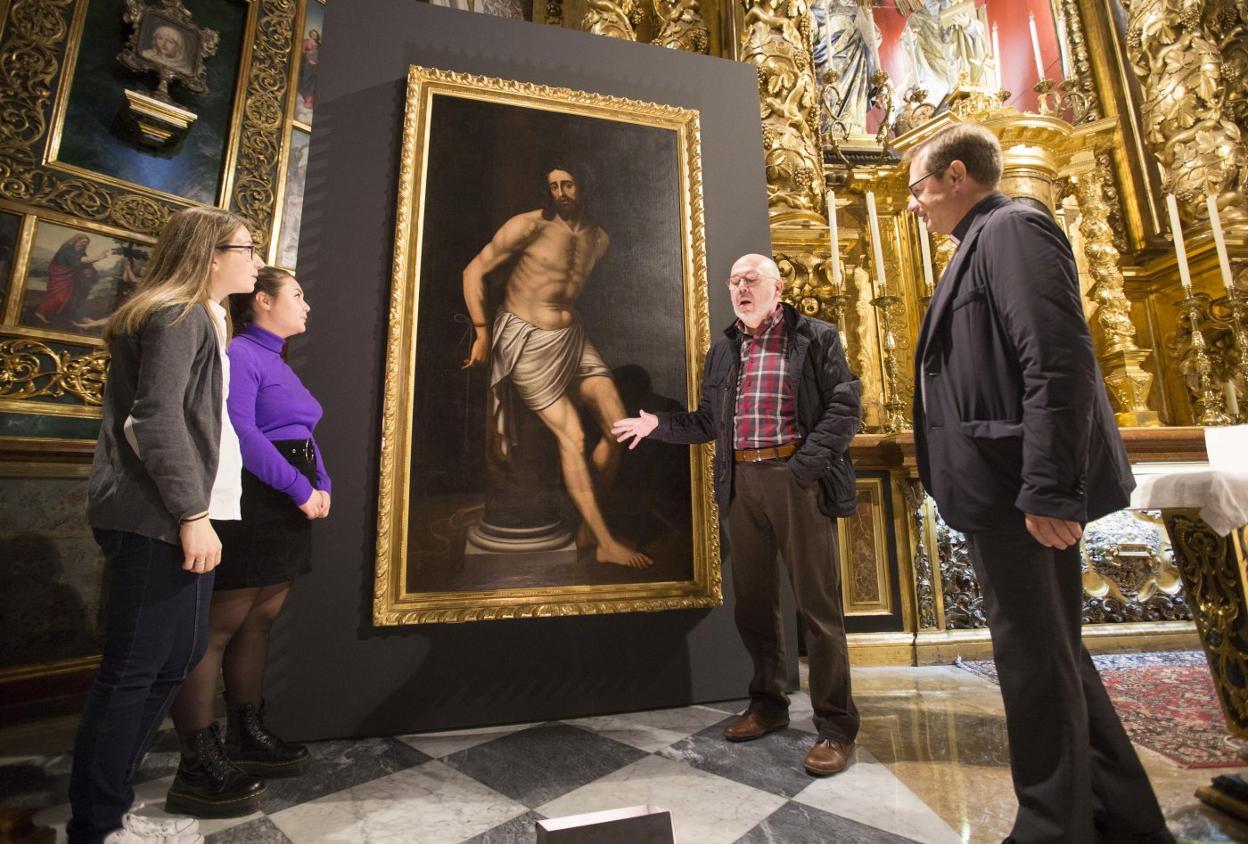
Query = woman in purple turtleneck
x=285 y=487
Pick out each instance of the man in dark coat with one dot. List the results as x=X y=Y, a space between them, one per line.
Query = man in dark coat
x=780 y=402
x=1016 y=442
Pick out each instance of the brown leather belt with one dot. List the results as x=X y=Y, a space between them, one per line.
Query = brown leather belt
x=772 y=452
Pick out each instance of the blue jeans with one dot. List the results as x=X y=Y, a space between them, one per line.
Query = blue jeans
x=157 y=632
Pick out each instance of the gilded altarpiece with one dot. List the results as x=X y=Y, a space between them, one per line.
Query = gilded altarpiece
x=1102 y=179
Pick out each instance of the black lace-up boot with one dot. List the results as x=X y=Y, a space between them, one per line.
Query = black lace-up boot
x=253 y=748
x=207 y=784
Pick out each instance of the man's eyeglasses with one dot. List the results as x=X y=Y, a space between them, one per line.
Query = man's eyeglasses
x=750 y=280
x=250 y=247
x=915 y=184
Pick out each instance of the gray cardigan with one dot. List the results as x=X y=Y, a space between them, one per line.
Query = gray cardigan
x=167 y=377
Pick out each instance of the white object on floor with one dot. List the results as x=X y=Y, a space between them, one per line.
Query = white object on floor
x=126 y=836
x=166 y=826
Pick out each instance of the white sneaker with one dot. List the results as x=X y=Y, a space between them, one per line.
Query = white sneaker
x=167 y=827
x=126 y=836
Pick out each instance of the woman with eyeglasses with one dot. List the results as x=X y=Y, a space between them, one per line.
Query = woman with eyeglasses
x=167 y=461
x=285 y=487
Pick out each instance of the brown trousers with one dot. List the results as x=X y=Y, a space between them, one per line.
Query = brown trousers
x=770 y=512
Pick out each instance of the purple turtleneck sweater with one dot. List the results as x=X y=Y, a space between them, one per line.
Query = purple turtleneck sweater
x=268 y=402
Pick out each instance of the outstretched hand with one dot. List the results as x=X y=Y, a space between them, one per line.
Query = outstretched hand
x=636 y=427
x=1053 y=533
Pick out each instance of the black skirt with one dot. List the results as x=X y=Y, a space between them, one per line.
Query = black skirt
x=272 y=543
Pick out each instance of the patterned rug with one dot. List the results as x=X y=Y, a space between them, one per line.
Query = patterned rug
x=1167 y=703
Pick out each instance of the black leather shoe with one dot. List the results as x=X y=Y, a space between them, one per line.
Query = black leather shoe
x=207 y=785
x=251 y=746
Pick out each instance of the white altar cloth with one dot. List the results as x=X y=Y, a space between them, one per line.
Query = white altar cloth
x=1219 y=490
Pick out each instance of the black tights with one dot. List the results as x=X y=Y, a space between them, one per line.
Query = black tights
x=238 y=645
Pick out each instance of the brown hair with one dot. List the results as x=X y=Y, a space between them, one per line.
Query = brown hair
x=179 y=269
x=970 y=143
x=269 y=281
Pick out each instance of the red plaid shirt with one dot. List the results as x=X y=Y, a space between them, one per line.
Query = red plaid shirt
x=766 y=410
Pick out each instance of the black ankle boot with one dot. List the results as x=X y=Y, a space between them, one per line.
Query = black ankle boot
x=207 y=784
x=253 y=748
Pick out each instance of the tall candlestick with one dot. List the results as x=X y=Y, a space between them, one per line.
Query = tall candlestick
x=1035 y=46
x=876 y=246
x=1215 y=223
x=929 y=285
x=834 y=241
x=1180 y=251
x=996 y=58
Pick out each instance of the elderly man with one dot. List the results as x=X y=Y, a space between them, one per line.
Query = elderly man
x=1016 y=442
x=780 y=402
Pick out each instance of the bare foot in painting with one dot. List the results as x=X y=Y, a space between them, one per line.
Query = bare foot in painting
x=622 y=555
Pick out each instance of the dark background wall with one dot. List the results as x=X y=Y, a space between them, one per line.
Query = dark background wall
x=331 y=672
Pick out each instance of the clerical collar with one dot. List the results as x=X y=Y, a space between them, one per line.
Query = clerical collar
x=980 y=208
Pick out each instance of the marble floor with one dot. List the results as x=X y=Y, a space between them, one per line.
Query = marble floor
x=930 y=766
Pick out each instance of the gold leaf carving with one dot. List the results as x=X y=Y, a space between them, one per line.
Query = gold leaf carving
x=31 y=370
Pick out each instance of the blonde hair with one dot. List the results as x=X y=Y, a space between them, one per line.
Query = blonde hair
x=179 y=269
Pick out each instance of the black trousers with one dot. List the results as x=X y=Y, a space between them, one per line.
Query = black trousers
x=772 y=512
x=1076 y=775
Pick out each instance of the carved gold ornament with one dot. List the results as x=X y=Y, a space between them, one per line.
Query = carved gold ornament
x=777 y=42
x=1187 y=108
x=31 y=370
x=165 y=40
x=682 y=26
x=32 y=49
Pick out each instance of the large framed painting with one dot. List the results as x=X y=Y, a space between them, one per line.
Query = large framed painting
x=549 y=277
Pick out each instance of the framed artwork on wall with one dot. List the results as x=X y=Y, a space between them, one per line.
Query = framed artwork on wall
x=86 y=138
x=309 y=61
x=75 y=278
x=549 y=277
x=287 y=252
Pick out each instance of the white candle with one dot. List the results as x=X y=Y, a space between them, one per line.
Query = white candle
x=1180 y=251
x=996 y=58
x=834 y=241
x=1232 y=406
x=875 y=45
x=1063 y=46
x=876 y=246
x=1035 y=46
x=929 y=285
x=1215 y=223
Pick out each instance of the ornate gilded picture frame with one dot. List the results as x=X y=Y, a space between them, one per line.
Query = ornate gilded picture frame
x=61 y=162
x=549 y=276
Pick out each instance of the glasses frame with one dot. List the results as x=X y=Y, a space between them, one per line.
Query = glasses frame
x=735 y=281
x=920 y=181
x=250 y=247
